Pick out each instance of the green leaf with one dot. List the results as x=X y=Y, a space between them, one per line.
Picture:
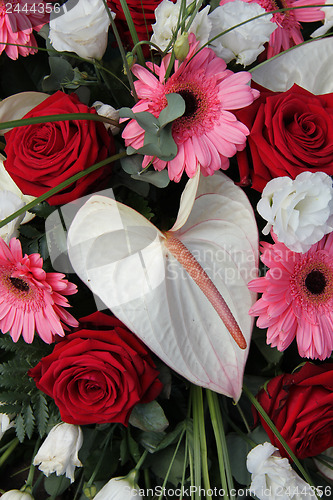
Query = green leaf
x=29 y=231
x=146 y=120
x=56 y=485
x=42 y=413
x=174 y=109
x=238 y=449
x=149 y=417
x=61 y=71
x=19 y=427
x=158 y=179
x=29 y=420
x=150 y=440
x=160 y=463
x=42 y=210
x=133 y=448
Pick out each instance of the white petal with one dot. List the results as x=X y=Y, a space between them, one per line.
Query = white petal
x=17 y=106
x=186 y=201
x=308 y=65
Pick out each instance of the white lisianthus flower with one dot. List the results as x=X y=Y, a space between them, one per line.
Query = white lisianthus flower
x=328 y=21
x=82 y=29
x=110 y=112
x=167 y=14
x=273 y=478
x=120 y=488
x=299 y=211
x=246 y=42
x=59 y=452
x=16 y=495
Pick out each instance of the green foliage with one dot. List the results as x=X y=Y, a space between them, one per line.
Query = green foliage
x=158 y=140
x=149 y=417
x=18 y=391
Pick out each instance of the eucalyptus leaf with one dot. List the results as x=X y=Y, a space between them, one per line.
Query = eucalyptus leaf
x=61 y=70
x=132 y=164
x=146 y=120
x=158 y=179
x=149 y=417
x=174 y=109
x=238 y=449
x=56 y=485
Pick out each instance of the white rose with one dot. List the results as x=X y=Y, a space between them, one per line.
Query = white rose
x=16 y=495
x=167 y=14
x=246 y=42
x=120 y=488
x=272 y=477
x=82 y=29
x=59 y=452
x=300 y=211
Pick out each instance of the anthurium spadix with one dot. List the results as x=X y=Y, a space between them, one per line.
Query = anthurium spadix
x=157 y=283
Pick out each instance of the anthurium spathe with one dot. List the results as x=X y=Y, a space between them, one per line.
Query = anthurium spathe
x=142 y=275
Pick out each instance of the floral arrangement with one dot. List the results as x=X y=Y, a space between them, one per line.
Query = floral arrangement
x=166 y=249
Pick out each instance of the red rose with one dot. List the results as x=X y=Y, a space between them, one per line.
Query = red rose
x=290 y=132
x=301 y=407
x=99 y=373
x=39 y=157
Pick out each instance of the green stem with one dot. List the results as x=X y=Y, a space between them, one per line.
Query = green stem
x=101 y=458
x=63 y=117
x=141 y=460
x=196 y=444
x=273 y=428
x=240 y=411
x=9 y=451
x=216 y=419
x=28 y=484
x=122 y=51
x=60 y=186
x=198 y=401
x=171 y=463
x=133 y=32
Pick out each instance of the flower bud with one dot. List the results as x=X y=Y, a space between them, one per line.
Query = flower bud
x=89 y=491
x=131 y=60
x=181 y=47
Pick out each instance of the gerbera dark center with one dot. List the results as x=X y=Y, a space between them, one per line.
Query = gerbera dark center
x=191 y=103
x=315 y=282
x=19 y=284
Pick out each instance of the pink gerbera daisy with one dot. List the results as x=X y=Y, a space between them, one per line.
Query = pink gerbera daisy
x=208 y=133
x=30 y=298
x=288 y=32
x=17 y=20
x=297 y=298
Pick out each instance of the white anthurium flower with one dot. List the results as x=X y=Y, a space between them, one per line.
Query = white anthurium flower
x=309 y=65
x=11 y=199
x=246 y=42
x=120 y=488
x=326 y=470
x=16 y=495
x=299 y=211
x=273 y=478
x=59 y=452
x=167 y=15
x=197 y=325
x=17 y=106
x=82 y=28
